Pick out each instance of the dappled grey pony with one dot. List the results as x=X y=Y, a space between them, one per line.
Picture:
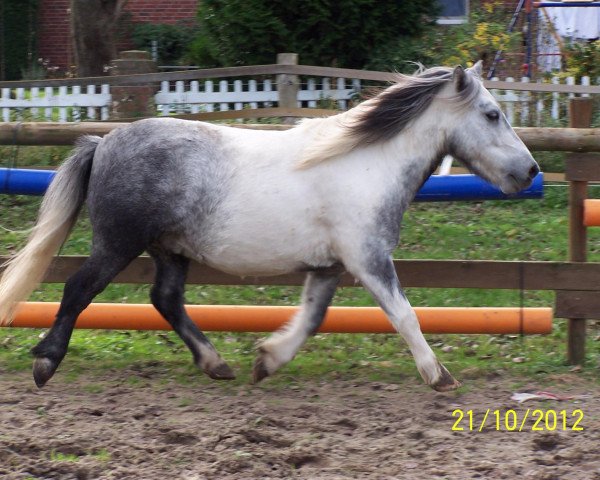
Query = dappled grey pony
x=324 y=197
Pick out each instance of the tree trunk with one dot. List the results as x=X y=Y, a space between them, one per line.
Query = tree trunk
x=94 y=27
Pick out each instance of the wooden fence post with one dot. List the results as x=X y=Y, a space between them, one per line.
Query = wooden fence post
x=137 y=100
x=580 y=116
x=288 y=85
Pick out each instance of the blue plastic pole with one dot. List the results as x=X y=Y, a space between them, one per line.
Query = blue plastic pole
x=451 y=188
x=567 y=4
x=18 y=181
x=439 y=188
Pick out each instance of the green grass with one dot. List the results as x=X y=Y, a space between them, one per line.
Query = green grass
x=516 y=230
x=63 y=457
x=30 y=156
x=101 y=455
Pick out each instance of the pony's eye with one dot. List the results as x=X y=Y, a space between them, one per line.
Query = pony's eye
x=493 y=115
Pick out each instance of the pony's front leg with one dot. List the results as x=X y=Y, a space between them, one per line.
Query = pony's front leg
x=283 y=345
x=379 y=277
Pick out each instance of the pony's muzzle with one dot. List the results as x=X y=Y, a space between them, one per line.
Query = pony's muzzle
x=519 y=180
x=533 y=171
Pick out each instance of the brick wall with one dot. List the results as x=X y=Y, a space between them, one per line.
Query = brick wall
x=161 y=11
x=53 y=33
x=54 y=45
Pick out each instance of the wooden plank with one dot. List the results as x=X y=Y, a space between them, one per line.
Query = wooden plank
x=275 y=69
x=582 y=167
x=580 y=112
x=225 y=72
x=559 y=275
x=287 y=85
x=554 y=177
x=54 y=133
x=412 y=273
x=578 y=305
x=51 y=133
x=577 y=229
x=580 y=116
x=541 y=87
x=145 y=78
x=316 y=71
x=309 y=70
x=560 y=139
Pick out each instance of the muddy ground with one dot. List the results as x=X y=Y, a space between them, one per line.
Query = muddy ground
x=153 y=428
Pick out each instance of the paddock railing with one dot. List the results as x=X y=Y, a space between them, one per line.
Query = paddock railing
x=253 y=87
x=576 y=281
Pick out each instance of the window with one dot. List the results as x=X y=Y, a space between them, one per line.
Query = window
x=453 y=12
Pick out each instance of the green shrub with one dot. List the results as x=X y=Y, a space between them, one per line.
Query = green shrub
x=583 y=59
x=17 y=42
x=405 y=53
x=478 y=39
x=340 y=33
x=172 y=40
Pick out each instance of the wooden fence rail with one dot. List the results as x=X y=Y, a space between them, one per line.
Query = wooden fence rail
x=55 y=133
x=237 y=88
x=278 y=69
x=413 y=273
x=576 y=282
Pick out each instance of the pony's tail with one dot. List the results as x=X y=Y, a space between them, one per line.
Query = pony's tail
x=58 y=213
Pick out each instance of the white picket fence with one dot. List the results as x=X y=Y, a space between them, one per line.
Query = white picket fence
x=523 y=108
x=93 y=102
x=236 y=95
x=61 y=104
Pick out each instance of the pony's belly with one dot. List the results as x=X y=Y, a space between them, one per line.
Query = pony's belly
x=266 y=262
x=259 y=234
x=259 y=268
x=258 y=256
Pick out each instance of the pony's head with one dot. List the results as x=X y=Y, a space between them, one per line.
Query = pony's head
x=482 y=139
x=453 y=108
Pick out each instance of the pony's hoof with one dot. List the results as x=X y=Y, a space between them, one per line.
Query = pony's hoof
x=447 y=387
x=445 y=382
x=259 y=372
x=43 y=369
x=221 y=372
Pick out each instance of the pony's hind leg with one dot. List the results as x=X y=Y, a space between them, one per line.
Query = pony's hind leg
x=379 y=277
x=282 y=346
x=168 y=298
x=94 y=275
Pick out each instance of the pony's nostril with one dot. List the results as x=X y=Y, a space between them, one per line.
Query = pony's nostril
x=533 y=171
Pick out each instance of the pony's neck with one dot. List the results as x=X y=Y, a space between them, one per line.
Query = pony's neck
x=415 y=154
x=423 y=141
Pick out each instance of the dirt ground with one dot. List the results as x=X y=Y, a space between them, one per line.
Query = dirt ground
x=113 y=428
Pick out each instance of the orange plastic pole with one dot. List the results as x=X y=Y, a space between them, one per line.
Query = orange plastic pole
x=591 y=212
x=231 y=318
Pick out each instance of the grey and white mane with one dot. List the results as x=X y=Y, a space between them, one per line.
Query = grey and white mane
x=385 y=116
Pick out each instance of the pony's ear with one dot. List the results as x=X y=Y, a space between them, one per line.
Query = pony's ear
x=477 y=69
x=459 y=77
